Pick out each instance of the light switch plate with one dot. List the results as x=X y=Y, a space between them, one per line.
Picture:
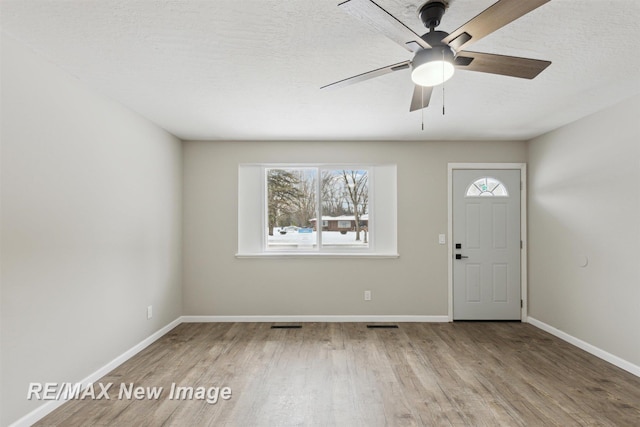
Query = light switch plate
x=442 y=239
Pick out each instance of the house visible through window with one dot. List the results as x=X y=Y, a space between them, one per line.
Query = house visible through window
x=298 y=199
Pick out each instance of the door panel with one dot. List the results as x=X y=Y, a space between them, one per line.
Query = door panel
x=499 y=226
x=473 y=283
x=473 y=226
x=486 y=279
x=500 y=283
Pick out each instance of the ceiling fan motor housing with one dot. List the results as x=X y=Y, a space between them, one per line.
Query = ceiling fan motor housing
x=434 y=38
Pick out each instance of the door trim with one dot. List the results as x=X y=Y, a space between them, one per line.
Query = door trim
x=523 y=227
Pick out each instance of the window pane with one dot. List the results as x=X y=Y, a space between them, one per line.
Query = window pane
x=487 y=186
x=291 y=205
x=345 y=208
x=473 y=191
x=500 y=191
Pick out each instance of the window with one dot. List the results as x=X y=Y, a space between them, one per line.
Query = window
x=297 y=196
x=344 y=224
x=317 y=210
x=487 y=186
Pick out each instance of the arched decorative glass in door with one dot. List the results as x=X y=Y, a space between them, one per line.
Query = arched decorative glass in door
x=487 y=186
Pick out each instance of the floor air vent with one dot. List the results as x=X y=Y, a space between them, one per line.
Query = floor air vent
x=286 y=326
x=382 y=326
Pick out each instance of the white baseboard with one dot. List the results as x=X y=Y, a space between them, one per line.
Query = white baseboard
x=318 y=318
x=45 y=409
x=589 y=348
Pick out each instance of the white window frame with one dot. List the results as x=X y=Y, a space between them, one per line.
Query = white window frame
x=252 y=213
x=318 y=246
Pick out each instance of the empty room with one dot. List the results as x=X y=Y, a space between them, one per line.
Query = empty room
x=319 y=213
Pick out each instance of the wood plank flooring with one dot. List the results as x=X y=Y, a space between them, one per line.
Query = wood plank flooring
x=343 y=374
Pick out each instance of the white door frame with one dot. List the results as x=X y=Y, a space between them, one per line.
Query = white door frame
x=523 y=226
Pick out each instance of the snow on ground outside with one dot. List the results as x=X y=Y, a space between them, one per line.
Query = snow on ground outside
x=328 y=238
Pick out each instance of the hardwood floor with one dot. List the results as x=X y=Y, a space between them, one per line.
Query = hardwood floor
x=344 y=374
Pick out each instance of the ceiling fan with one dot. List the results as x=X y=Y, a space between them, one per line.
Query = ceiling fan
x=438 y=54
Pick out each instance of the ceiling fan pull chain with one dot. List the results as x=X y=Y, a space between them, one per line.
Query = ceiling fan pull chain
x=443 y=83
x=443 y=100
x=422 y=105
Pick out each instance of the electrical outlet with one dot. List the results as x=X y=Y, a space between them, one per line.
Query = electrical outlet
x=367 y=295
x=149 y=312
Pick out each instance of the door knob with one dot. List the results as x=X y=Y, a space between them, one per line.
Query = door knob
x=460 y=256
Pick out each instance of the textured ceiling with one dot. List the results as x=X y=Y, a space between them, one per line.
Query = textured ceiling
x=252 y=69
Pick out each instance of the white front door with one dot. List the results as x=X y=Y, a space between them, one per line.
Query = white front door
x=486 y=244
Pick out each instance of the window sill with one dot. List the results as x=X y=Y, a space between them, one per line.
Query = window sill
x=316 y=255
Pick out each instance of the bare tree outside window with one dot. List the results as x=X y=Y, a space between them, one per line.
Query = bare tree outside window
x=357 y=186
x=306 y=208
x=283 y=196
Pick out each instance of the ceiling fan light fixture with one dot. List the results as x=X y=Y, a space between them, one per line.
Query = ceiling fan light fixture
x=431 y=67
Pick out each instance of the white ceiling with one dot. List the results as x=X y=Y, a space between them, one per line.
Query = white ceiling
x=252 y=69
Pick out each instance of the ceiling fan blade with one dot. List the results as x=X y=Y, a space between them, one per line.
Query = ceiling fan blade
x=421 y=97
x=368 y=75
x=513 y=66
x=491 y=19
x=386 y=23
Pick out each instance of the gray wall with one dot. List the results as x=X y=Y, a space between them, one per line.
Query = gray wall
x=584 y=201
x=91 y=228
x=217 y=283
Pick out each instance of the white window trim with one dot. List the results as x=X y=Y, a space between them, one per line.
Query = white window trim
x=252 y=213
